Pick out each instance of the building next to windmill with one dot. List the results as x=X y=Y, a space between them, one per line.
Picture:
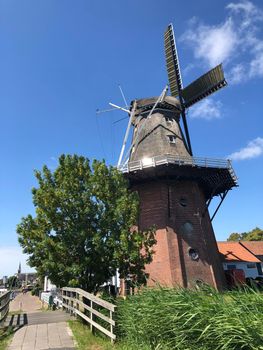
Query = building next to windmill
x=175 y=188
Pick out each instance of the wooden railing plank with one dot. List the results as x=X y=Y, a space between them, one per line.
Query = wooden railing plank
x=97 y=313
x=4 y=306
x=92 y=297
x=95 y=324
x=73 y=298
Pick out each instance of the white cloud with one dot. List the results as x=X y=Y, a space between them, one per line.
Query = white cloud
x=237 y=41
x=237 y=74
x=256 y=65
x=214 y=44
x=248 y=10
x=10 y=257
x=253 y=149
x=206 y=109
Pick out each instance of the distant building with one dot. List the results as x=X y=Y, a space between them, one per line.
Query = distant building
x=236 y=255
x=48 y=285
x=3 y=281
x=26 y=278
x=19 y=268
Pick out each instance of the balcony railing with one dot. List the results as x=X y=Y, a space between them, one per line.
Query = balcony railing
x=180 y=161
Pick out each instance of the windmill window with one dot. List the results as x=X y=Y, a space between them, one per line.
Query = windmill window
x=187 y=228
x=183 y=202
x=193 y=253
x=172 y=138
x=168 y=120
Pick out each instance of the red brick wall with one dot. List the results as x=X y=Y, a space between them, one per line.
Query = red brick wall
x=172 y=265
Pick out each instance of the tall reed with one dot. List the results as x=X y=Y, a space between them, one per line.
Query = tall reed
x=166 y=318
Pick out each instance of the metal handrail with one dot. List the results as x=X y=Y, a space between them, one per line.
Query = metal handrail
x=181 y=161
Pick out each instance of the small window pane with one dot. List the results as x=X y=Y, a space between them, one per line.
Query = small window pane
x=231 y=267
x=251 y=266
x=171 y=138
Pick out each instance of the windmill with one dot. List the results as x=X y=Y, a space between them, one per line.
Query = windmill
x=175 y=188
x=199 y=89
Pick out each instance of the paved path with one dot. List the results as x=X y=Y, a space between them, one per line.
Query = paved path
x=28 y=319
x=36 y=330
x=44 y=336
x=25 y=302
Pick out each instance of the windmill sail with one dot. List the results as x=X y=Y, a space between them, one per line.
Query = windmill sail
x=172 y=62
x=204 y=86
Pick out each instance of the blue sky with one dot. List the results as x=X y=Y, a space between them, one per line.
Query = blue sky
x=61 y=60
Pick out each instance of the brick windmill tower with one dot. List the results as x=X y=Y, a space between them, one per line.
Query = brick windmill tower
x=175 y=188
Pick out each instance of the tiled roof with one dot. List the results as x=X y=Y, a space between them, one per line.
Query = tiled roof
x=256 y=247
x=234 y=251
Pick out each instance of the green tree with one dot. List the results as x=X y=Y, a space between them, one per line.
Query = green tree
x=234 y=237
x=13 y=282
x=254 y=235
x=82 y=231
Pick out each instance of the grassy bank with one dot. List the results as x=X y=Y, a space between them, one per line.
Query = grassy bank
x=85 y=339
x=189 y=320
x=5 y=337
x=88 y=341
x=166 y=319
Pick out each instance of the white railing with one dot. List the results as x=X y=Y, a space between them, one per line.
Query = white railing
x=4 y=306
x=180 y=161
x=91 y=308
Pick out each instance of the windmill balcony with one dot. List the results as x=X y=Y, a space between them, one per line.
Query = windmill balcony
x=181 y=161
x=215 y=175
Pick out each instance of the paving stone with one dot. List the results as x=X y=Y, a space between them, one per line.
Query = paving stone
x=46 y=330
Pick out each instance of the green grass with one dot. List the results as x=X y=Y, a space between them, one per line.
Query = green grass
x=88 y=341
x=180 y=319
x=5 y=337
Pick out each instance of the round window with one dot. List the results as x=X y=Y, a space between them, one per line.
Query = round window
x=183 y=202
x=187 y=228
x=193 y=253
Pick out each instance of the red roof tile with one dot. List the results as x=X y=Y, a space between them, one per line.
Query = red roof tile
x=256 y=247
x=234 y=251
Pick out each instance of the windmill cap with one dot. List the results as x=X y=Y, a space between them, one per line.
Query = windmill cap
x=169 y=103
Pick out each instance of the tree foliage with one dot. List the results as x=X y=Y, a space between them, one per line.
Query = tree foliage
x=82 y=231
x=254 y=235
x=13 y=282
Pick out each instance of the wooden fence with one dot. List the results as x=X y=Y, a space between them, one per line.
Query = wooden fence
x=4 y=306
x=97 y=312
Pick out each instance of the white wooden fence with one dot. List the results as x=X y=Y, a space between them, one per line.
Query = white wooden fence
x=4 y=306
x=90 y=308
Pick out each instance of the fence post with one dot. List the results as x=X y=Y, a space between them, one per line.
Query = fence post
x=111 y=327
x=91 y=315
